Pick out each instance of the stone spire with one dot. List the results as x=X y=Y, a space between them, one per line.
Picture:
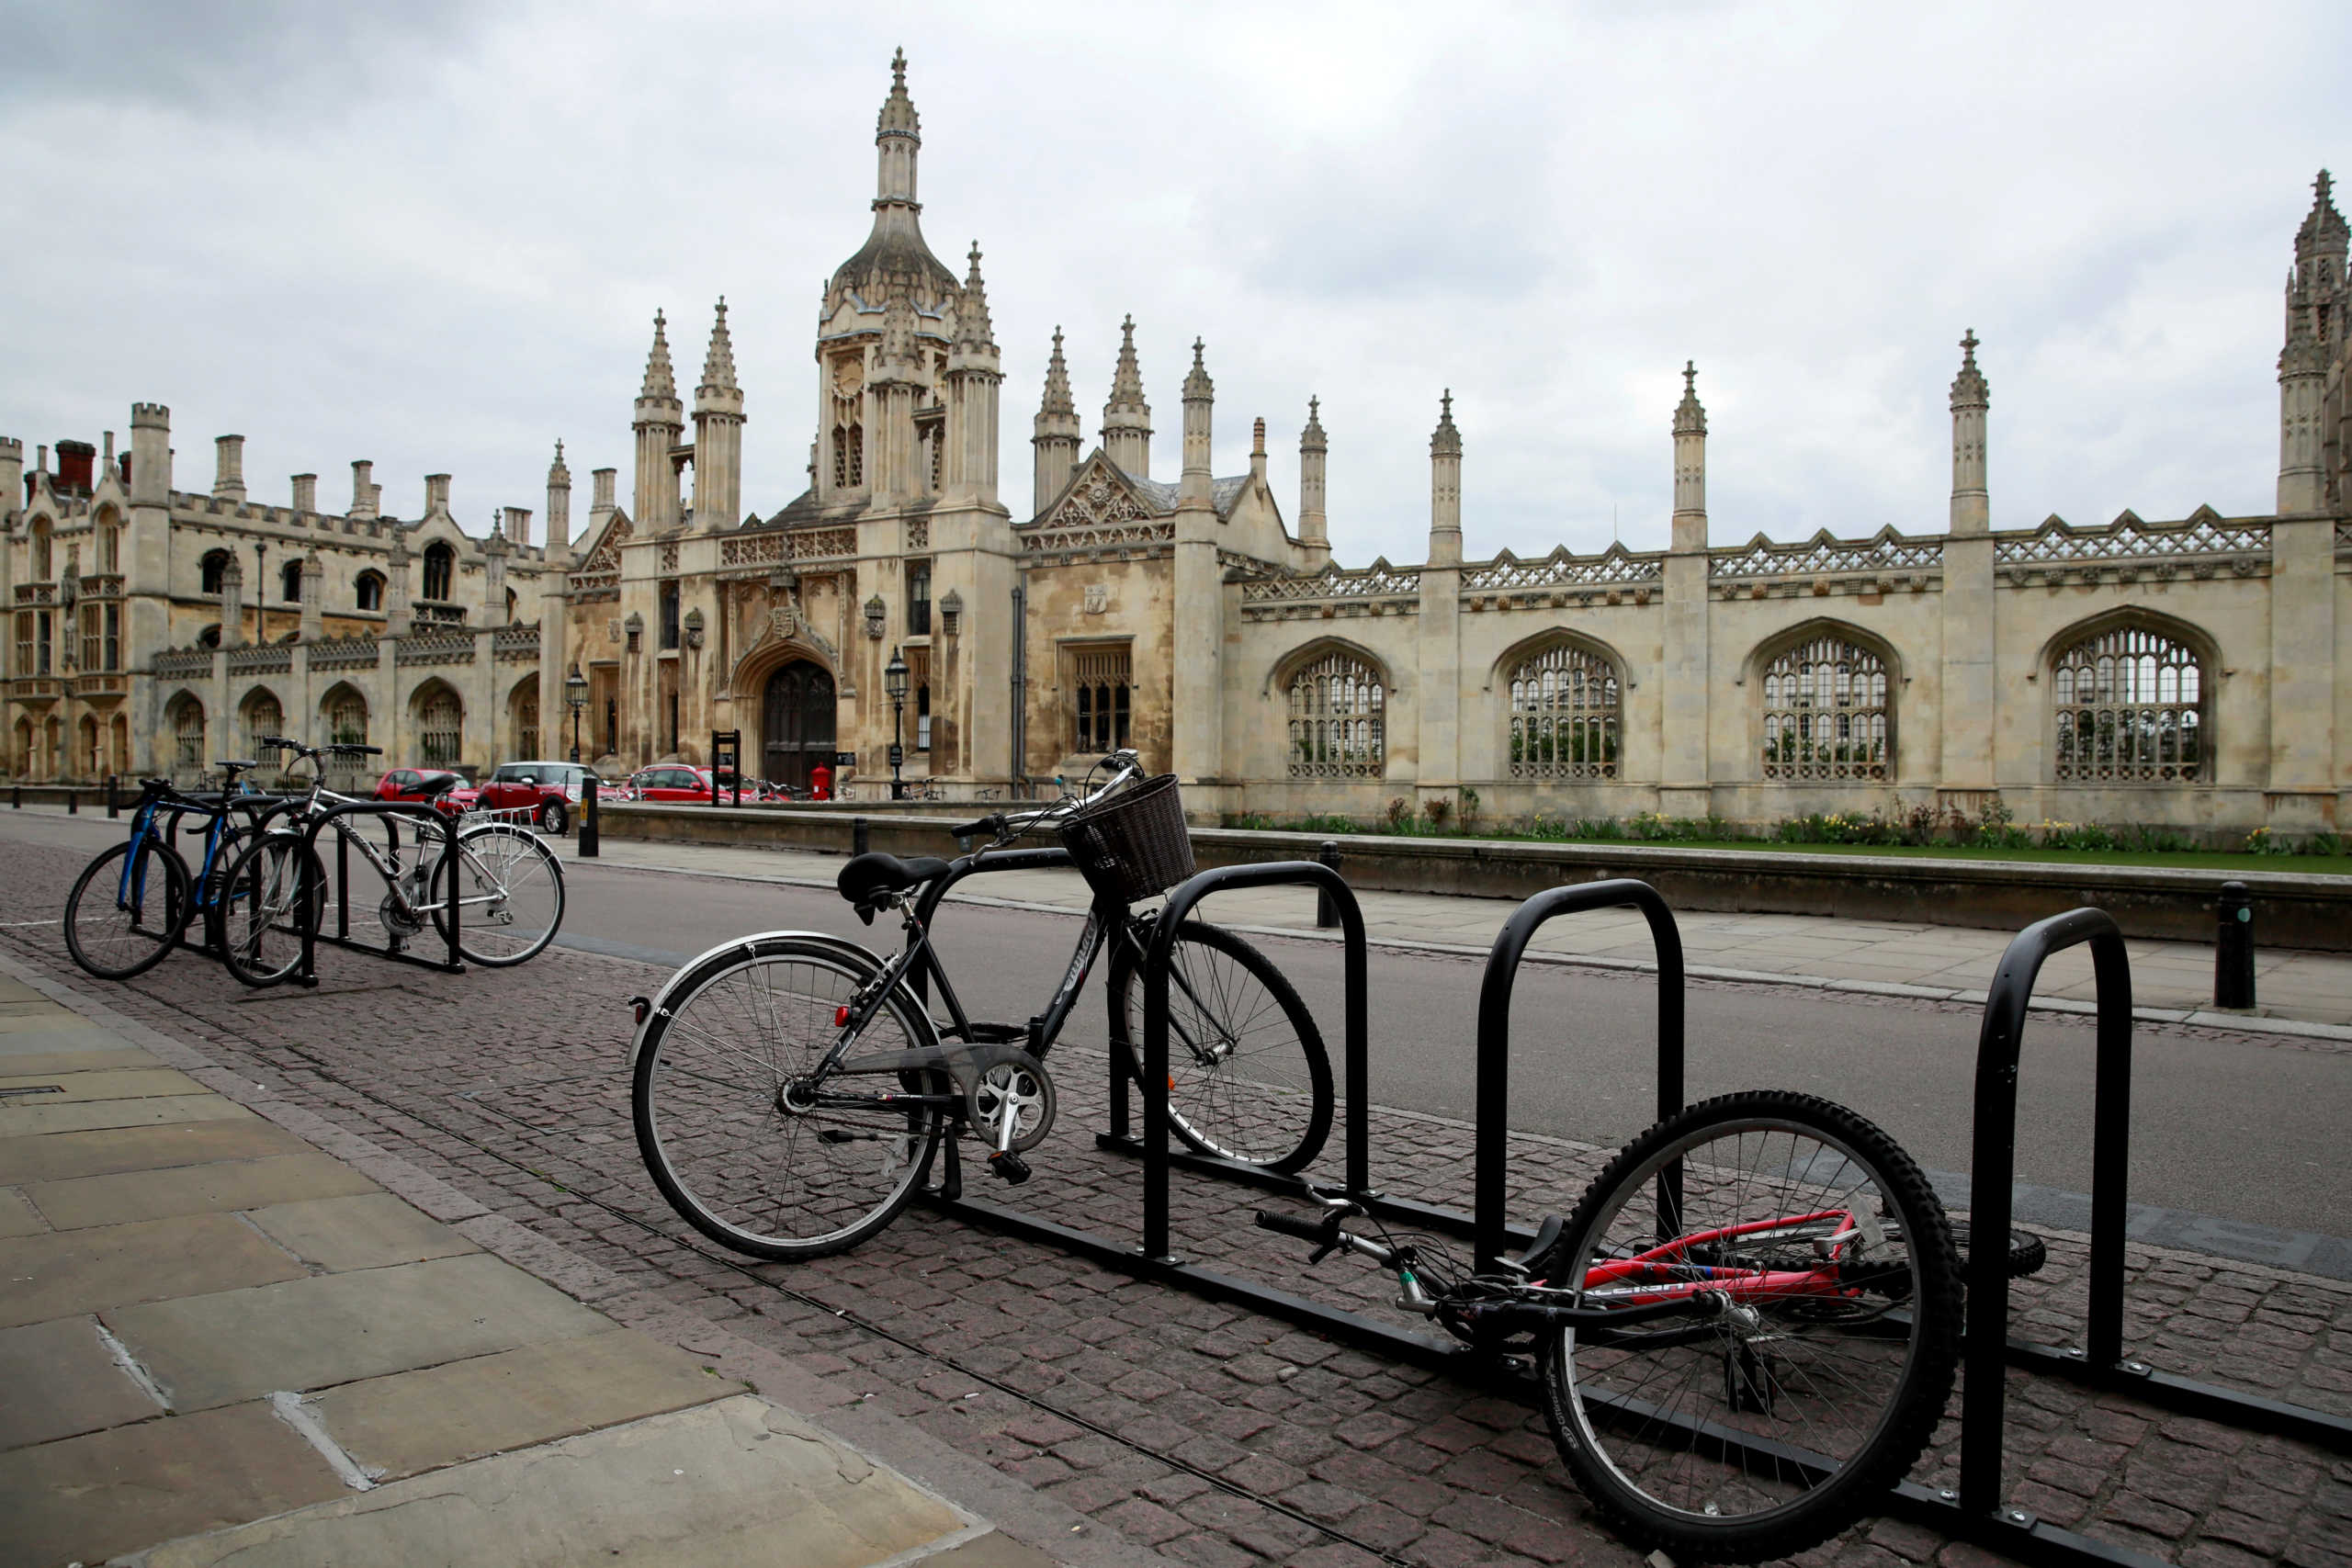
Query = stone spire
x=1314 y=528
x=1195 y=487
x=718 y=363
x=897 y=123
x=559 y=508
x=1126 y=418
x=1056 y=434
x=659 y=381
x=894 y=259
x=2318 y=299
x=1971 y=505
x=1690 y=526
x=1446 y=488
x=975 y=333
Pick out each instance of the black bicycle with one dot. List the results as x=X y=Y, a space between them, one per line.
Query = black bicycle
x=135 y=900
x=791 y=1089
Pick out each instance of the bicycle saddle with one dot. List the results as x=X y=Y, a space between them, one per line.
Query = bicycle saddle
x=434 y=788
x=868 y=874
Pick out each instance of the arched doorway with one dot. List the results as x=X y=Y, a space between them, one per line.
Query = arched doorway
x=796 y=722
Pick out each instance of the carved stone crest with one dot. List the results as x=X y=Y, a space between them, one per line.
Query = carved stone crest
x=1098 y=598
x=613 y=629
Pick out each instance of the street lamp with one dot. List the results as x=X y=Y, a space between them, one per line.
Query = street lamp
x=894 y=680
x=575 y=696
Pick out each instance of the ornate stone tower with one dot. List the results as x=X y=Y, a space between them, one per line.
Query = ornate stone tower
x=1199 y=685
x=975 y=384
x=719 y=435
x=558 y=510
x=2318 y=298
x=1445 y=487
x=659 y=421
x=1057 y=435
x=1314 y=527
x=1971 y=503
x=1690 y=529
x=1126 y=418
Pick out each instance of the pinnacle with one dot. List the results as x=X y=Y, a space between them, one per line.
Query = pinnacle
x=1690 y=415
x=973 y=328
x=1126 y=383
x=1197 y=385
x=1057 y=396
x=1446 y=440
x=718 y=363
x=556 y=469
x=1969 y=388
x=1312 y=437
x=659 y=381
x=898 y=115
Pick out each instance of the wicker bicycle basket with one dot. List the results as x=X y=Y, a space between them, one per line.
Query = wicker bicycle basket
x=1133 y=846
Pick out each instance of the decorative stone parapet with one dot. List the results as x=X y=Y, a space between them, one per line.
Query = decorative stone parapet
x=436 y=647
x=261 y=658
x=2203 y=545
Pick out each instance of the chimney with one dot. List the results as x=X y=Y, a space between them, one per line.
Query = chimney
x=229 y=476
x=600 y=506
x=306 y=492
x=518 y=526
x=74 y=461
x=364 y=490
x=1258 y=451
x=436 y=494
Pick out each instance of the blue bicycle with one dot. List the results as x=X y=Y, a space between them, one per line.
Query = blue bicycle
x=133 y=903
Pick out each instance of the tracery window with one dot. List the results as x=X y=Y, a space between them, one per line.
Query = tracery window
x=187 y=736
x=109 y=546
x=347 y=718
x=1564 y=715
x=2131 y=709
x=440 y=566
x=1826 y=715
x=215 y=570
x=848 y=455
x=371 y=589
x=262 y=718
x=1338 y=719
x=94 y=637
x=1101 y=682
x=441 y=721
x=41 y=559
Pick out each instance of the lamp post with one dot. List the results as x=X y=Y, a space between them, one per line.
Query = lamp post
x=575 y=696
x=894 y=680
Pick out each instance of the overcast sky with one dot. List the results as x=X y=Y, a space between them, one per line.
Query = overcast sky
x=436 y=237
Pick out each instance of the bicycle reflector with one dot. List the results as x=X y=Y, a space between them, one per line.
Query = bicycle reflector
x=841 y=1015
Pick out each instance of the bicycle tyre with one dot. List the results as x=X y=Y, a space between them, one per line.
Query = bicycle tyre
x=530 y=880
x=261 y=917
x=2027 y=1252
x=1278 y=1119
x=707 y=1100
x=115 y=944
x=556 y=817
x=1622 y=1406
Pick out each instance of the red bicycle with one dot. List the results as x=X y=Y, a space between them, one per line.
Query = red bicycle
x=1745 y=1334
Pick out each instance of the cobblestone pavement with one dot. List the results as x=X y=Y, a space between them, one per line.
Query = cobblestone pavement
x=1212 y=1434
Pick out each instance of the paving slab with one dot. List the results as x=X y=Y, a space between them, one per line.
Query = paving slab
x=57 y=1156
x=86 y=1499
x=17 y=1216
x=58 y=1380
x=26 y=1120
x=219 y=1187
x=138 y=1083
x=61 y=1273
x=717 y=1487
x=417 y=1421
x=40 y=1064
x=15 y=991
x=320 y=1330
x=374 y=1230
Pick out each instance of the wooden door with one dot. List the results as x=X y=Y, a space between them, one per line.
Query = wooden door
x=797 y=723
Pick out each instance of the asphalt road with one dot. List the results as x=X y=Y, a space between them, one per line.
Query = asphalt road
x=2238 y=1144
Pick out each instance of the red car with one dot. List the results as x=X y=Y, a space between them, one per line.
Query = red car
x=671 y=781
x=445 y=789
x=550 y=791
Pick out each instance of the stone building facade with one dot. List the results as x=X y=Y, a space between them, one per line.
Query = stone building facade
x=2194 y=673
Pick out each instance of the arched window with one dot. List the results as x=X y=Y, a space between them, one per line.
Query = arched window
x=440 y=726
x=2130 y=708
x=109 y=545
x=346 y=711
x=370 y=587
x=848 y=455
x=42 y=559
x=264 y=717
x=1826 y=715
x=215 y=568
x=1564 y=715
x=289 y=581
x=1338 y=717
x=440 y=568
x=187 y=736
x=1102 y=681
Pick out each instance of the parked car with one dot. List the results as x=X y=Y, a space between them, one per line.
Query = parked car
x=670 y=781
x=442 y=788
x=550 y=791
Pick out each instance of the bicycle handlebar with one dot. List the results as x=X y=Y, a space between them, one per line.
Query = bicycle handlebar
x=1322 y=1232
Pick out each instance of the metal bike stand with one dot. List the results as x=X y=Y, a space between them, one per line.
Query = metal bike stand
x=306 y=969
x=1153 y=1260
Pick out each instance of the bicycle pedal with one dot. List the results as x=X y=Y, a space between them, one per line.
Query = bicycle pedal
x=1010 y=1166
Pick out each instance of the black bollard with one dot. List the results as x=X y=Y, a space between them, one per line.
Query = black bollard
x=114 y=801
x=16 y=797
x=2233 y=949
x=1327 y=914
x=857 y=835
x=73 y=803
x=587 y=849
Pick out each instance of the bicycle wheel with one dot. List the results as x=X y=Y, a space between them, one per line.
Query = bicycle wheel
x=123 y=915
x=728 y=1144
x=510 y=894
x=262 y=912
x=1248 y=1078
x=1762 y=1431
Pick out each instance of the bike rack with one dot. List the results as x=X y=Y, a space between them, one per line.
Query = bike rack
x=306 y=970
x=257 y=805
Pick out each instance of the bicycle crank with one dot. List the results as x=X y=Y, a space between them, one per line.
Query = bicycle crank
x=1011 y=1105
